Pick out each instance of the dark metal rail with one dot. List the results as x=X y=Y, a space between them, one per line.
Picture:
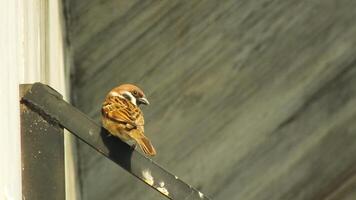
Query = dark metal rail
x=49 y=103
x=42 y=155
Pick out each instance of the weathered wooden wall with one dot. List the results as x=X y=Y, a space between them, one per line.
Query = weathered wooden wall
x=250 y=99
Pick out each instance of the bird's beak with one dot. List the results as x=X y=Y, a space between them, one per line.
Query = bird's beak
x=143 y=100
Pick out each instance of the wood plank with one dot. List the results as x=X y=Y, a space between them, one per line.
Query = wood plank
x=346 y=191
x=264 y=87
x=11 y=60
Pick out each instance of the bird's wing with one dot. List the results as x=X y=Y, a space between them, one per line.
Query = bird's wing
x=144 y=143
x=140 y=121
x=122 y=111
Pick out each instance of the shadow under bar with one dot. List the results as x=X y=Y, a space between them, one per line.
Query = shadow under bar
x=50 y=104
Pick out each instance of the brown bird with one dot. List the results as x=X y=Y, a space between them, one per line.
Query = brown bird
x=123 y=118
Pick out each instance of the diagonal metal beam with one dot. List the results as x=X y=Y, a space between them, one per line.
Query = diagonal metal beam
x=49 y=103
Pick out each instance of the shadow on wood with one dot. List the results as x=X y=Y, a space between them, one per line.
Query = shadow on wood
x=48 y=103
x=118 y=150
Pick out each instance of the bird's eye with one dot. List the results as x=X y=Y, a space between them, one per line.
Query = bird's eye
x=135 y=92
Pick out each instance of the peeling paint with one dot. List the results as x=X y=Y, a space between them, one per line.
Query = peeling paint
x=91 y=132
x=147 y=176
x=162 y=189
x=201 y=195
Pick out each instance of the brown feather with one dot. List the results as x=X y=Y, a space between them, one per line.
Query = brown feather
x=144 y=143
x=120 y=110
x=125 y=120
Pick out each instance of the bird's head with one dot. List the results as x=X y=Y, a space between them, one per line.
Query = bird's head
x=130 y=92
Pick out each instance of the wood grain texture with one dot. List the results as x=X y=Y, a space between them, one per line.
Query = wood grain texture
x=344 y=192
x=250 y=100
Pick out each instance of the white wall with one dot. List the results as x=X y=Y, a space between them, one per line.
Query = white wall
x=11 y=60
x=31 y=50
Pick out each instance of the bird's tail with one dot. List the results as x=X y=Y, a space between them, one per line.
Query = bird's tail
x=144 y=143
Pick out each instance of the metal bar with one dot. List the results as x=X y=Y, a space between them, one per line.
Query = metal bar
x=50 y=104
x=42 y=154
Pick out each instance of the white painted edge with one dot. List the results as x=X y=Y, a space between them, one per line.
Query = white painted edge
x=31 y=50
x=11 y=60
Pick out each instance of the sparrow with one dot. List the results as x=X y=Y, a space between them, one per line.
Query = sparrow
x=123 y=118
